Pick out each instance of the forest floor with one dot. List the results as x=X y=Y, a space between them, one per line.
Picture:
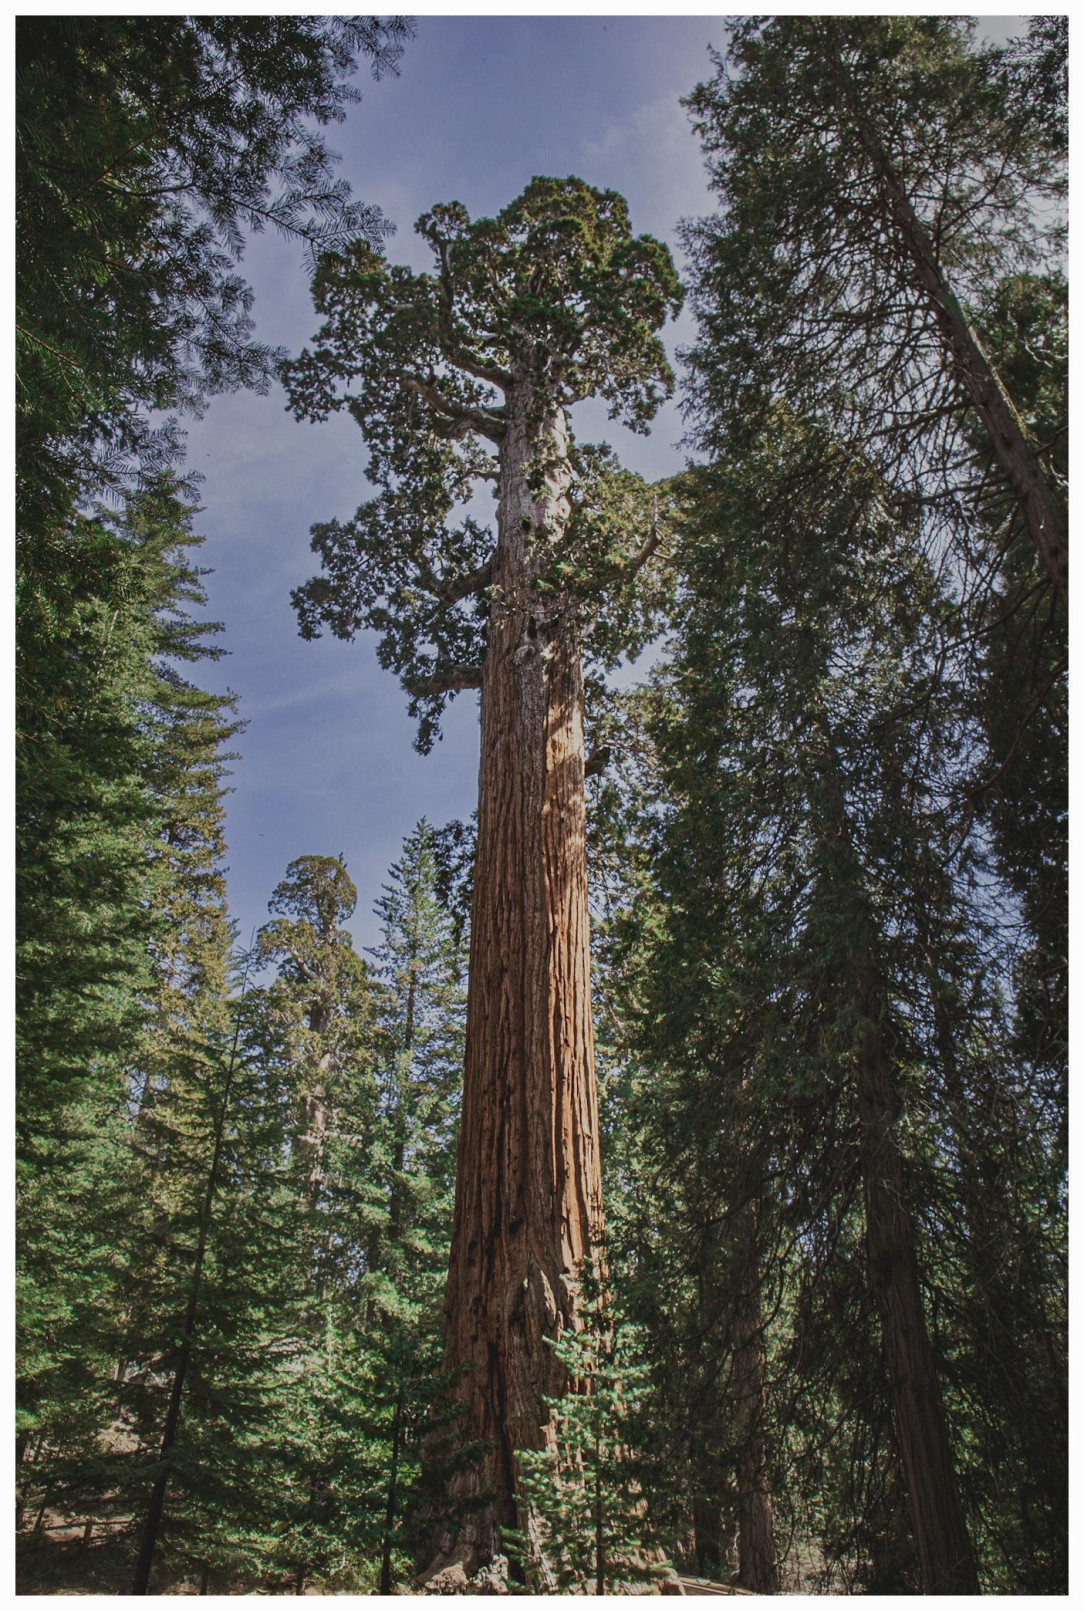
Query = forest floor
x=56 y=1560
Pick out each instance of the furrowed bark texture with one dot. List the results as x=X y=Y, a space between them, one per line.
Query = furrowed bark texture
x=528 y=1185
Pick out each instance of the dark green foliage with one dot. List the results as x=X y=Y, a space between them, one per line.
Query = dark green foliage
x=555 y=288
x=855 y=768
x=119 y=770
x=811 y=667
x=362 y=1067
x=146 y=146
x=586 y=1526
x=806 y=285
x=1037 y=73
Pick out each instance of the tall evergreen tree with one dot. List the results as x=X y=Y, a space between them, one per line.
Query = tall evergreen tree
x=146 y=146
x=462 y=374
x=120 y=925
x=365 y=1064
x=420 y=963
x=826 y=967
x=129 y=1263
x=876 y=183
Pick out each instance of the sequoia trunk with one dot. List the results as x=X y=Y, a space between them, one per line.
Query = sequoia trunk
x=528 y=1189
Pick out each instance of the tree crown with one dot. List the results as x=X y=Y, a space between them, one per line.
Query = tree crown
x=552 y=301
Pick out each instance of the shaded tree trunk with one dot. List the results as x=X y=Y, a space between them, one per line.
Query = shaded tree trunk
x=705 y=1416
x=975 y=374
x=157 y=1502
x=946 y=1562
x=392 y=1502
x=707 y=1536
x=528 y=1186
x=756 y=1534
x=946 y=1559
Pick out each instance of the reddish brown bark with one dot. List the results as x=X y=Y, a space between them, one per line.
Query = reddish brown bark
x=528 y=1189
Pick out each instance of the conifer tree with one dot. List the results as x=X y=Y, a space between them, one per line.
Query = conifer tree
x=122 y=934
x=311 y=1037
x=812 y=739
x=876 y=183
x=885 y=261
x=468 y=373
x=420 y=963
x=363 y=1065
x=585 y=1523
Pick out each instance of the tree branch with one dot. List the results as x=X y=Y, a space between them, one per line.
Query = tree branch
x=459 y=414
x=649 y=544
x=445 y=680
x=450 y=589
x=454 y=349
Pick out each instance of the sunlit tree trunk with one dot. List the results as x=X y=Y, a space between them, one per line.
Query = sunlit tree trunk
x=528 y=1186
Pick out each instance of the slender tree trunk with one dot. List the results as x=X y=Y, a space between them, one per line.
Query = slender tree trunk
x=976 y=375
x=157 y=1504
x=708 y=1423
x=756 y=1534
x=946 y=1560
x=22 y=1442
x=707 y=1536
x=528 y=1187
x=393 y=1497
x=600 y=1520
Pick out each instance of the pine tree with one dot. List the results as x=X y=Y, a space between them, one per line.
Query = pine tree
x=876 y=184
x=311 y=1037
x=420 y=962
x=121 y=934
x=822 y=966
x=365 y=1065
x=585 y=1524
x=462 y=374
x=145 y=147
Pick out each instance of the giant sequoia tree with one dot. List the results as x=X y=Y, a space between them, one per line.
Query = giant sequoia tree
x=464 y=374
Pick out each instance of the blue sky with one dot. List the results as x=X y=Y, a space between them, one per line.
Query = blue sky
x=481 y=105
